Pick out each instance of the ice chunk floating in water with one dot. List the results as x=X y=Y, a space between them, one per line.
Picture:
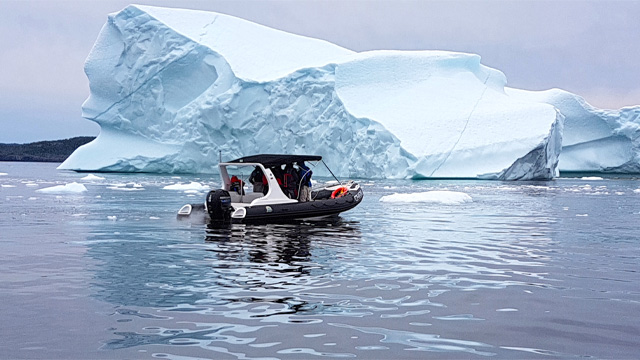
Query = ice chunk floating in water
x=72 y=188
x=92 y=177
x=198 y=83
x=187 y=187
x=439 y=197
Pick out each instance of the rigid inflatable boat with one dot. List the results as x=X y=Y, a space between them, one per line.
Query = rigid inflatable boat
x=278 y=195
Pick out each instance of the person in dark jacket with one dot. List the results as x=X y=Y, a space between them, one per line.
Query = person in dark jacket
x=291 y=179
x=259 y=181
x=305 y=182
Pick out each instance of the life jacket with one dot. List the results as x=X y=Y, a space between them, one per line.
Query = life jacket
x=291 y=180
x=237 y=185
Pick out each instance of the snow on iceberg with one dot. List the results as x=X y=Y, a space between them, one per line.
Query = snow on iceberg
x=71 y=188
x=172 y=88
x=439 y=197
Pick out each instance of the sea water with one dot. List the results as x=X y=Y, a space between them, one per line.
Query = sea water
x=523 y=270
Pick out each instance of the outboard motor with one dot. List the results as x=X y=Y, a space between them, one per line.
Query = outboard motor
x=219 y=205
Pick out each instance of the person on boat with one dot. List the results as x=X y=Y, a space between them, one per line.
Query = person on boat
x=237 y=185
x=291 y=181
x=259 y=181
x=305 y=182
x=277 y=173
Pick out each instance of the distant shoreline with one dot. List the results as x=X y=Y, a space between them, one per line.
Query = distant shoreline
x=42 y=151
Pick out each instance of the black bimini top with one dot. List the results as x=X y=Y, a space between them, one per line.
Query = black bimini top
x=269 y=160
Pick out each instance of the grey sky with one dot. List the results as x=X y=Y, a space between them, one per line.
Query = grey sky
x=591 y=48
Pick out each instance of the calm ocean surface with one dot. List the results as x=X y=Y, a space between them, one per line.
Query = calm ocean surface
x=526 y=270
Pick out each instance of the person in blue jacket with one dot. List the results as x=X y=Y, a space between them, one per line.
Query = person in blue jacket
x=305 y=182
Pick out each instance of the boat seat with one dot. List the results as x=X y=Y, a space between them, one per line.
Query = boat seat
x=246 y=199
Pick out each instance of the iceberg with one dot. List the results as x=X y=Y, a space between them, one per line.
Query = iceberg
x=440 y=197
x=71 y=188
x=594 y=140
x=193 y=186
x=173 y=90
x=92 y=177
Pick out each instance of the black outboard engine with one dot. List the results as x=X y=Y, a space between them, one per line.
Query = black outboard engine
x=219 y=205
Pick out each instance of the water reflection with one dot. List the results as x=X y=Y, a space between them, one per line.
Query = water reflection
x=180 y=269
x=278 y=243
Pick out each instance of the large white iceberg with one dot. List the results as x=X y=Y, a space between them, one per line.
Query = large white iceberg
x=172 y=89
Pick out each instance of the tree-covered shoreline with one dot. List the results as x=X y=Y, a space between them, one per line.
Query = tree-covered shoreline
x=42 y=151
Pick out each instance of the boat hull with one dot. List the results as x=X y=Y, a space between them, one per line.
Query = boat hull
x=289 y=211
x=302 y=210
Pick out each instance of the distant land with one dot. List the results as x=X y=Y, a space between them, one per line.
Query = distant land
x=42 y=151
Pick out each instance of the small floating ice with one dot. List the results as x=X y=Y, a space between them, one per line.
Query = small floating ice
x=72 y=188
x=112 y=217
x=124 y=188
x=184 y=187
x=637 y=191
x=92 y=177
x=440 y=197
x=3 y=174
x=591 y=178
x=7 y=186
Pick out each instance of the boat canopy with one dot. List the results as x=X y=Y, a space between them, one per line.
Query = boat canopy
x=269 y=160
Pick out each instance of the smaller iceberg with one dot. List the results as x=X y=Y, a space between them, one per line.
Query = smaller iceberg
x=92 y=177
x=187 y=187
x=72 y=188
x=593 y=140
x=438 y=197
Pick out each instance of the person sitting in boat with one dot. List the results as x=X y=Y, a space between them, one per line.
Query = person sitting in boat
x=305 y=182
x=259 y=181
x=237 y=185
x=291 y=181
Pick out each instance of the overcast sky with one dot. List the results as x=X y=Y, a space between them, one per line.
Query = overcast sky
x=591 y=48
